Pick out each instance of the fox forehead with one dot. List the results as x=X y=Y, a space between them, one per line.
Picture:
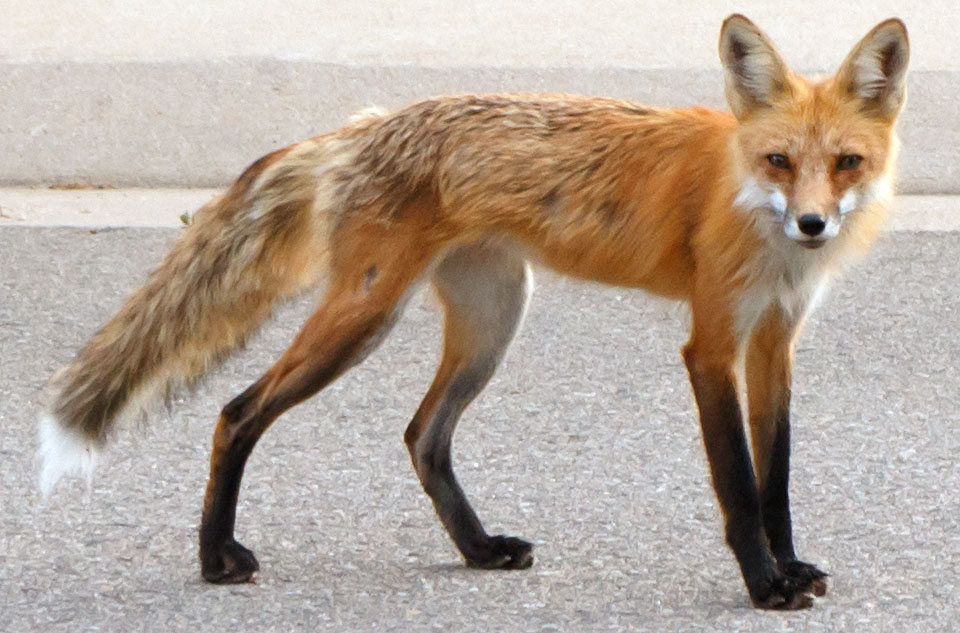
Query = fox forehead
x=816 y=122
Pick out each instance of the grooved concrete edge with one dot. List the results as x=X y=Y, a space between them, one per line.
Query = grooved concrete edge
x=163 y=208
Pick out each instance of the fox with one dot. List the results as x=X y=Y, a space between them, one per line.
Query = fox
x=745 y=215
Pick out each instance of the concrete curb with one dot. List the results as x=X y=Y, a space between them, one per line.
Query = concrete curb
x=100 y=207
x=163 y=208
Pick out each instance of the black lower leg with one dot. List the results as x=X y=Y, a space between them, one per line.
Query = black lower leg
x=222 y=559
x=775 y=503
x=774 y=498
x=429 y=439
x=736 y=489
x=735 y=485
x=478 y=548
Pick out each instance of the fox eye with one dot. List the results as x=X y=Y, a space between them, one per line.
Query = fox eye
x=848 y=161
x=779 y=161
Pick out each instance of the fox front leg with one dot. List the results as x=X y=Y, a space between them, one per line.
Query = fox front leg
x=769 y=367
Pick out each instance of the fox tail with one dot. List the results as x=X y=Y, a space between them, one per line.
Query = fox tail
x=266 y=238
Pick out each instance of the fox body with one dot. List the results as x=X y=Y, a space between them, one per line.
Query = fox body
x=745 y=215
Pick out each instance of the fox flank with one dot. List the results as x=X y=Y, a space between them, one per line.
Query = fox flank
x=744 y=215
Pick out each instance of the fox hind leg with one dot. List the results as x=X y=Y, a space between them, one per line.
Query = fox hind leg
x=365 y=298
x=319 y=354
x=484 y=291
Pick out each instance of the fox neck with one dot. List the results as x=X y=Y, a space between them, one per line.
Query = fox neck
x=779 y=272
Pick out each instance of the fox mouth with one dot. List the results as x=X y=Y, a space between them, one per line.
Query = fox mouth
x=812 y=244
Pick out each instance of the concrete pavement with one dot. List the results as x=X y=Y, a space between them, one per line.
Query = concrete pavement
x=438 y=34
x=585 y=442
x=179 y=93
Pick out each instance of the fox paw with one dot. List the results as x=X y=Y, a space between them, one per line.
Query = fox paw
x=806 y=576
x=791 y=586
x=781 y=593
x=503 y=552
x=230 y=563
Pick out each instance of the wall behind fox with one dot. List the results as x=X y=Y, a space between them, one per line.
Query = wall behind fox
x=185 y=94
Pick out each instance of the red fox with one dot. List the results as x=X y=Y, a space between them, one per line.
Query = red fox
x=745 y=215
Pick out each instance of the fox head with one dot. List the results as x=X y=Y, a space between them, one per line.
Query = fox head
x=810 y=155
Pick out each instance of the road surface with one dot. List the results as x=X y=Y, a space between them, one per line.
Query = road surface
x=585 y=442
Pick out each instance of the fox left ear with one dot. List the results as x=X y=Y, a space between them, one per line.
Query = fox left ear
x=876 y=68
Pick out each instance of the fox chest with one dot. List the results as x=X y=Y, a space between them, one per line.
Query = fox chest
x=794 y=293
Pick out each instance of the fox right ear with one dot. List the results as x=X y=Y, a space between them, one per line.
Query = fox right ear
x=755 y=73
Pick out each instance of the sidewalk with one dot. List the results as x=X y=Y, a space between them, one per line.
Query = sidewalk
x=186 y=94
x=163 y=208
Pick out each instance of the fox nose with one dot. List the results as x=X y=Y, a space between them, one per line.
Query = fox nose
x=811 y=223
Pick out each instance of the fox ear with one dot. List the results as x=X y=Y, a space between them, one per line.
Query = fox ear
x=876 y=69
x=755 y=74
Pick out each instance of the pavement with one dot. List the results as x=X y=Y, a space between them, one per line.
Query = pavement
x=585 y=442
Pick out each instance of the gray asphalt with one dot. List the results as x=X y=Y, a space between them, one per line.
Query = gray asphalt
x=586 y=443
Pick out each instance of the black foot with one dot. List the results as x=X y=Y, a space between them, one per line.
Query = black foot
x=230 y=563
x=503 y=552
x=806 y=576
x=781 y=595
x=787 y=587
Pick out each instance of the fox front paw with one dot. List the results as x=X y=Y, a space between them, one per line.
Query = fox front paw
x=229 y=563
x=806 y=576
x=791 y=587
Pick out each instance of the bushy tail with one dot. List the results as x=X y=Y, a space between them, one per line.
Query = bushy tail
x=264 y=239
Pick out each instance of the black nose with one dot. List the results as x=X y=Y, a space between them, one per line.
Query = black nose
x=811 y=224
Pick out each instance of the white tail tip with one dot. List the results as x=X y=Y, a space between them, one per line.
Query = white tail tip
x=62 y=452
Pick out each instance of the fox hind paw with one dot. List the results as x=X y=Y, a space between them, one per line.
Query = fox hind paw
x=230 y=563
x=504 y=552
